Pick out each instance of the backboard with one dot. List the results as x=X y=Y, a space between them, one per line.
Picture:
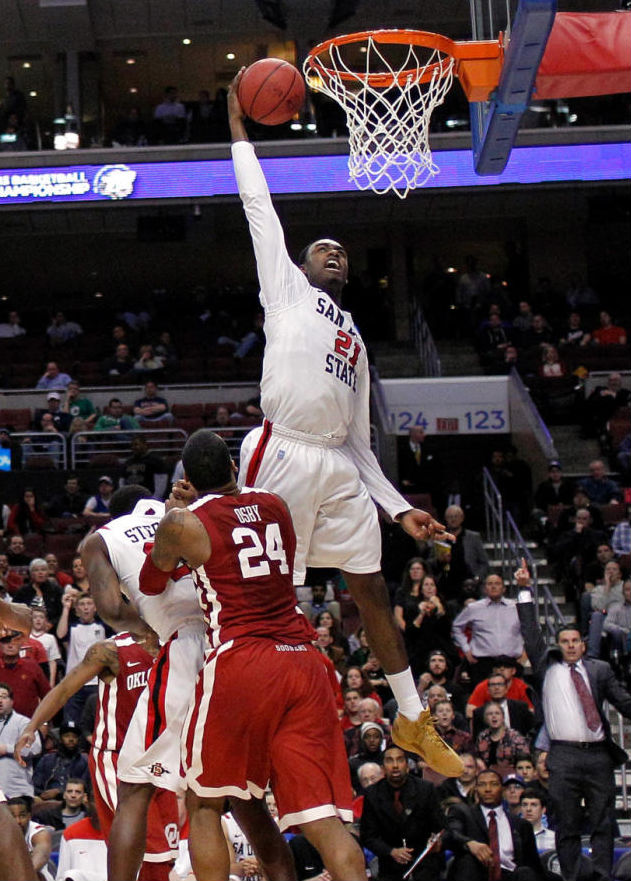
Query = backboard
x=526 y=26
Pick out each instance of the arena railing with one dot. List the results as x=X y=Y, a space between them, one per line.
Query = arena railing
x=511 y=548
x=424 y=342
x=42 y=449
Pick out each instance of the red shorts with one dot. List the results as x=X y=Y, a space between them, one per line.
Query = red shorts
x=162 y=816
x=264 y=712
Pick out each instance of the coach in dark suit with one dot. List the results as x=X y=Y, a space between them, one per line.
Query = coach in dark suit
x=520 y=718
x=582 y=754
x=488 y=843
x=399 y=815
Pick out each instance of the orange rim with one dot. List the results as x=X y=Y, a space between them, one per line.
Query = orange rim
x=479 y=60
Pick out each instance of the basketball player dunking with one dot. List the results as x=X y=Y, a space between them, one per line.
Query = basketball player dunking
x=314 y=447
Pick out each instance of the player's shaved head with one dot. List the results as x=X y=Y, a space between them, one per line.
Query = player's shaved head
x=207 y=461
x=125 y=499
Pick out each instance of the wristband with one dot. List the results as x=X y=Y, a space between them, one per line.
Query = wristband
x=152 y=580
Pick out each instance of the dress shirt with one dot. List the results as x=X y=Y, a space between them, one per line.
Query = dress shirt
x=565 y=719
x=14 y=779
x=618 y=618
x=507 y=852
x=545 y=839
x=621 y=538
x=494 y=628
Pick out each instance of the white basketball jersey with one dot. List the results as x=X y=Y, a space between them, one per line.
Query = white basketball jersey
x=128 y=539
x=240 y=844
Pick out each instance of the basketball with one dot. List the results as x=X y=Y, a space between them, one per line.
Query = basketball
x=271 y=91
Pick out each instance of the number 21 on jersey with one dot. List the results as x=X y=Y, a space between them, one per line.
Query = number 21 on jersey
x=254 y=559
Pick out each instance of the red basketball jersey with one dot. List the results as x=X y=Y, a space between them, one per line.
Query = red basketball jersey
x=246 y=589
x=118 y=698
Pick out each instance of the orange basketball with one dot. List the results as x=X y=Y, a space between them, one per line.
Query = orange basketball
x=271 y=91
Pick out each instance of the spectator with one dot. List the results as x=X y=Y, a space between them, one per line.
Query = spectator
x=53 y=378
x=533 y=809
x=472 y=291
x=617 y=624
x=428 y=627
x=574 y=550
x=600 y=488
x=601 y=404
x=497 y=745
x=72 y=808
x=40 y=630
x=145 y=468
x=311 y=608
x=522 y=322
x=551 y=366
x=350 y=718
x=420 y=470
x=25 y=678
x=516 y=688
x=371 y=746
x=75 y=405
x=148 y=363
x=459 y=789
x=115 y=419
x=38 y=838
x=67 y=762
x=556 y=490
x=50 y=447
x=98 y=506
x=83 y=851
x=325 y=645
x=12 y=328
x=487 y=628
x=61 y=331
x=573 y=333
x=200 y=118
x=580 y=500
x=595 y=605
x=608 y=333
x=512 y=788
x=26 y=516
x=540 y=333
x=458 y=739
x=489 y=843
x=120 y=364
x=60 y=419
x=525 y=767
x=165 y=349
x=151 y=407
x=70 y=502
x=437 y=673
x=14 y=779
x=407 y=597
x=170 y=118
x=43 y=588
x=79 y=637
x=18 y=560
x=462 y=559
x=492 y=341
x=400 y=813
x=55 y=573
x=517 y=713
x=579 y=295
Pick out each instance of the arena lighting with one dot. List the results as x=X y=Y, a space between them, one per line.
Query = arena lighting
x=341 y=10
x=273 y=11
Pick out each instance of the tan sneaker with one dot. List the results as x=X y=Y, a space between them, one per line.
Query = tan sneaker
x=421 y=737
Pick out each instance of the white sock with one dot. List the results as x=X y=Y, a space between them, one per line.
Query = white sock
x=405 y=693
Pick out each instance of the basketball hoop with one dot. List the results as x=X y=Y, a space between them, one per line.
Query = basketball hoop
x=388 y=82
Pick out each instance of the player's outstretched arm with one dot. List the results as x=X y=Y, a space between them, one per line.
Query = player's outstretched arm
x=99 y=657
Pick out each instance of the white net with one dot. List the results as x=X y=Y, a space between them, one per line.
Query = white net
x=388 y=103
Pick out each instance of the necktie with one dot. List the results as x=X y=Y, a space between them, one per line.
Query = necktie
x=592 y=716
x=398 y=805
x=495 y=871
x=417 y=455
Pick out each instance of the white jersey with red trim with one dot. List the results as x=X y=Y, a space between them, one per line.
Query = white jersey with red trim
x=128 y=539
x=30 y=832
x=315 y=368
